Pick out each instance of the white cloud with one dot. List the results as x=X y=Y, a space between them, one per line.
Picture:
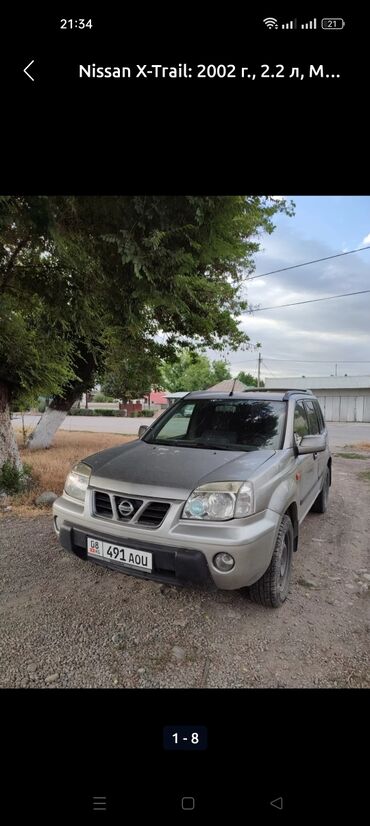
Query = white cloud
x=320 y=334
x=366 y=240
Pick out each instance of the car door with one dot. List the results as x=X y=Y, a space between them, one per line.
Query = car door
x=317 y=425
x=306 y=465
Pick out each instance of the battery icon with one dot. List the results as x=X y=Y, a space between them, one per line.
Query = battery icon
x=332 y=23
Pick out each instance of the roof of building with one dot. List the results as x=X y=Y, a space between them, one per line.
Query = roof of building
x=227 y=385
x=320 y=383
x=157 y=397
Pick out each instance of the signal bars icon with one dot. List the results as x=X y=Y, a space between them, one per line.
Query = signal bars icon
x=291 y=25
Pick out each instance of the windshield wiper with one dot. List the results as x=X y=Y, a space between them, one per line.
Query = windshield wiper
x=169 y=442
x=214 y=446
x=202 y=445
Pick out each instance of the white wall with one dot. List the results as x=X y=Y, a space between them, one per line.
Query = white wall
x=344 y=406
x=338 y=383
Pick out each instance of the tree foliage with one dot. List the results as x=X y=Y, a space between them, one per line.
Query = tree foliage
x=248 y=379
x=87 y=282
x=193 y=371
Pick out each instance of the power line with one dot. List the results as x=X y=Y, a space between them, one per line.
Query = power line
x=306 y=263
x=309 y=301
x=308 y=361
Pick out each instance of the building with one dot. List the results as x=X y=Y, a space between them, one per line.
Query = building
x=342 y=398
x=156 y=400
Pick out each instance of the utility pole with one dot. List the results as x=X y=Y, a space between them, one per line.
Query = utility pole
x=259 y=369
x=336 y=370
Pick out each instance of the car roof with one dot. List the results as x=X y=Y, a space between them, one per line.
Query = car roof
x=260 y=395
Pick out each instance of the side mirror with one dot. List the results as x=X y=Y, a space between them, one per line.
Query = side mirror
x=312 y=444
x=142 y=429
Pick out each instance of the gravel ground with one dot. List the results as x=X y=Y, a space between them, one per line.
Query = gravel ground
x=67 y=623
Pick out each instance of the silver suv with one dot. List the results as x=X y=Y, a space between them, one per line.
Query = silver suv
x=215 y=490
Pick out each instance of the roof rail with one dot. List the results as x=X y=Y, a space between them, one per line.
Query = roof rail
x=292 y=392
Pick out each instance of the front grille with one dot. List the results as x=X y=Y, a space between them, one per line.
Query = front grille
x=103 y=504
x=154 y=513
x=136 y=504
x=145 y=513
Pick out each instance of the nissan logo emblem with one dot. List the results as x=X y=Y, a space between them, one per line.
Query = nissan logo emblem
x=126 y=508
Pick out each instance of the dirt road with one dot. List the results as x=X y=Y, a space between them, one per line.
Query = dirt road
x=67 y=623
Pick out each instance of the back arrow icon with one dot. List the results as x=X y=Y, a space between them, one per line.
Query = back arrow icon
x=25 y=70
x=277 y=803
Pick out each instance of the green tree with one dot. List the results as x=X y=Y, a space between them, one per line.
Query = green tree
x=34 y=359
x=220 y=371
x=76 y=270
x=248 y=379
x=133 y=374
x=193 y=371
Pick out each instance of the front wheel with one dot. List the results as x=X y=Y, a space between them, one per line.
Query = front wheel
x=272 y=589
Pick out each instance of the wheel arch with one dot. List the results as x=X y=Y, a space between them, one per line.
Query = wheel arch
x=292 y=512
x=330 y=469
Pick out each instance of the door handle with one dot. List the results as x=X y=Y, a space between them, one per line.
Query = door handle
x=314 y=455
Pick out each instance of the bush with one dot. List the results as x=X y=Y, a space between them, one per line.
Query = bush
x=90 y=412
x=81 y=412
x=13 y=480
x=147 y=413
x=101 y=397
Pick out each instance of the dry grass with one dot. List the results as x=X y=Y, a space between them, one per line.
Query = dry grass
x=362 y=446
x=50 y=467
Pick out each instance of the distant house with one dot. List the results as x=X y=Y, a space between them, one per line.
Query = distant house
x=342 y=398
x=156 y=400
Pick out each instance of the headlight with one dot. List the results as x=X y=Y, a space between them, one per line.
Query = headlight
x=77 y=481
x=220 y=500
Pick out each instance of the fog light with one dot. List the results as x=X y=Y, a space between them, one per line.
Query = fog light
x=224 y=562
x=56 y=524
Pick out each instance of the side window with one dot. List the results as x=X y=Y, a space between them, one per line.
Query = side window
x=313 y=422
x=320 y=416
x=300 y=426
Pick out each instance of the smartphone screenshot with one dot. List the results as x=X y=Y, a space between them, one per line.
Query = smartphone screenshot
x=184 y=414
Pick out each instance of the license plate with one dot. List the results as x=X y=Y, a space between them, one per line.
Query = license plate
x=128 y=557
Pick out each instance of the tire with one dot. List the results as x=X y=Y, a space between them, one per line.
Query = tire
x=272 y=589
x=321 y=503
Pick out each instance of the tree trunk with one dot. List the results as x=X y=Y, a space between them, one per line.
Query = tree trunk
x=8 y=445
x=45 y=430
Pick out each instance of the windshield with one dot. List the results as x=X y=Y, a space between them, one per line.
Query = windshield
x=226 y=424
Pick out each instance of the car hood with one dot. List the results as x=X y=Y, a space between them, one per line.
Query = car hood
x=170 y=471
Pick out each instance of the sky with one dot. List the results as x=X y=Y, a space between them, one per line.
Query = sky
x=311 y=338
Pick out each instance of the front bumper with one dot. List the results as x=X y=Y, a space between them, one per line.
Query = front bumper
x=183 y=551
x=179 y=566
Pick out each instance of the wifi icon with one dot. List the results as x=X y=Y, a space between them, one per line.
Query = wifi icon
x=271 y=22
